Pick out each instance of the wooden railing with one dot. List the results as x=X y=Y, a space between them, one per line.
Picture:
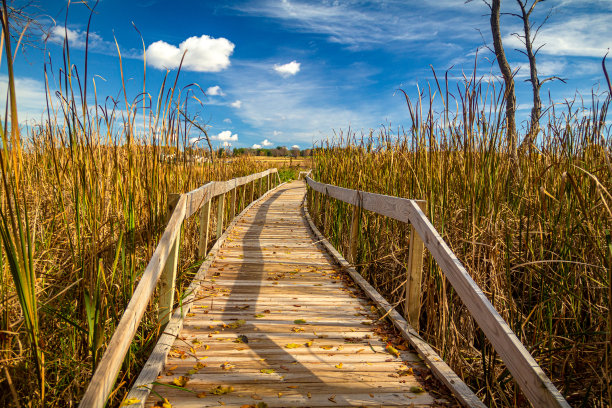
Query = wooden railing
x=163 y=264
x=527 y=373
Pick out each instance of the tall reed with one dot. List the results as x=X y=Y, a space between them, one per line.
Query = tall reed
x=535 y=240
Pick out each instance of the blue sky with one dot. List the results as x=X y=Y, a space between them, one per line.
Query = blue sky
x=289 y=72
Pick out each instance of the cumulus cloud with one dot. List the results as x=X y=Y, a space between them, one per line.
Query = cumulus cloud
x=277 y=132
x=288 y=69
x=266 y=142
x=203 y=54
x=256 y=146
x=295 y=147
x=226 y=135
x=580 y=35
x=236 y=104
x=214 y=91
x=227 y=120
x=77 y=39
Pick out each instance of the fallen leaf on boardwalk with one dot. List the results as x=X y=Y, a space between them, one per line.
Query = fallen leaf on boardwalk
x=366 y=323
x=292 y=345
x=180 y=381
x=261 y=405
x=392 y=350
x=241 y=339
x=416 y=390
x=299 y=321
x=371 y=395
x=220 y=390
x=401 y=347
x=192 y=372
x=201 y=395
x=190 y=314
x=333 y=399
x=327 y=347
x=339 y=365
x=267 y=311
x=297 y=329
x=227 y=366
x=267 y=370
x=280 y=394
x=360 y=350
x=292 y=386
x=164 y=403
x=243 y=307
x=257 y=316
x=406 y=372
x=199 y=366
x=255 y=397
x=340 y=347
x=236 y=324
x=130 y=401
x=308 y=343
x=297 y=305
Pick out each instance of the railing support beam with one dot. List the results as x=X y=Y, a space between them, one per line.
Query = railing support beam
x=220 y=214
x=412 y=305
x=204 y=224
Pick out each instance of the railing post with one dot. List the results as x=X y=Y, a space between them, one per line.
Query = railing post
x=269 y=177
x=278 y=177
x=204 y=222
x=252 y=190
x=233 y=204
x=168 y=278
x=259 y=191
x=352 y=251
x=242 y=202
x=325 y=206
x=220 y=211
x=412 y=307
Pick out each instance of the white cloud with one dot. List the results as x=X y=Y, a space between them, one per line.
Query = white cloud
x=77 y=39
x=289 y=69
x=277 y=133
x=225 y=135
x=227 y=120
x=214 y=91
x=579 y=35
x=256 y=146
x=295 y=147
x=203 y=54
x=236 y=104
x=266 y=142
x=30 y=98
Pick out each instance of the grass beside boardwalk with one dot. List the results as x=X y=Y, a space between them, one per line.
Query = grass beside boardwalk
x=533 y=235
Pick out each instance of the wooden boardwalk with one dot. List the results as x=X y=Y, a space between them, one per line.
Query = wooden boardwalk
x=276 y=324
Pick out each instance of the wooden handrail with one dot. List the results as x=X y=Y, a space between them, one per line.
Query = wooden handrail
x=528 y=374
x=104 y=377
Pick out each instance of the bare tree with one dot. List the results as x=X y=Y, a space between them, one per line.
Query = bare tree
x=506 y=71
x=529 y=39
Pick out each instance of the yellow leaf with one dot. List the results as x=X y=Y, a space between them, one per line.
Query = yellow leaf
x=220 y=390
x=267 y=370
x=327 y=347
x=280 y=394
x=416 y=390
x=130 y=401
x=299 y=321
x=292 y=345
x=339 y=365
x=308 y=343
x=227 y=366
x=180 y=381
x=392 y=350
x=201 y=395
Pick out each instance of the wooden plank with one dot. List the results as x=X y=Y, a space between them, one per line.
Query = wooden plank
x=442 y=371
x=104 y=377
x=233 y=204
x=412 y=304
